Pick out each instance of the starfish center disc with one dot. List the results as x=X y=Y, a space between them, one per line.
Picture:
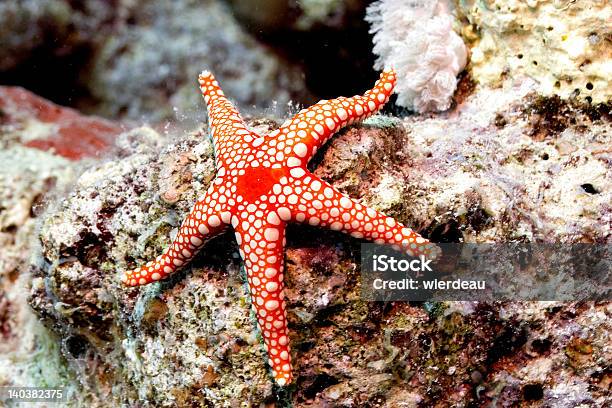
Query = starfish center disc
x=257 y=181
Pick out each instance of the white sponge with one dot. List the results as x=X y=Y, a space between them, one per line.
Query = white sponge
x=416 y=38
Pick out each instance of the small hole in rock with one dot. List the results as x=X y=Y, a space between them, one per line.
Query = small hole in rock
x=321 y=382
x=588 y=188
x=11 y=229
x=535 y=62
x=520 y=56
x=76 y=346
x=541 y=345
x=545 y=156
x=589 y=99
x=533 y=392
x=448 y=232
x=589 y=86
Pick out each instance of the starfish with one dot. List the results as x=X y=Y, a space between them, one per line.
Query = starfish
x=261 y=185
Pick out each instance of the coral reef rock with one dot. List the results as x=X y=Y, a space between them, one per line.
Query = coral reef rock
x=31 y=28
x=40 y=143
x=492 y=169
x=35 y=122
x=29 y=354
x=139 y=60
x=151 y=64
x=563 y=45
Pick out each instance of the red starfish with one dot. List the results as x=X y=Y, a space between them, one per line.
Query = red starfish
x=262 y=184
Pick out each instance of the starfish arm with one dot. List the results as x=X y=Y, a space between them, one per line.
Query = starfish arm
x=262 y=252
x=203 y=223
x=321 y=204
x=227 y=126
x=312 y=127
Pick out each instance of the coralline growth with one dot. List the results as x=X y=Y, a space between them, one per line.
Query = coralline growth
x=563 y=45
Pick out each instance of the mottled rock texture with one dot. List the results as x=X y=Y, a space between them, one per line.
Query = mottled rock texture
x=55 y=27
x=139 y=59
x=504 y=165
x=148 y=65
x=29 y=354
x=563 y=45
x=40 y=144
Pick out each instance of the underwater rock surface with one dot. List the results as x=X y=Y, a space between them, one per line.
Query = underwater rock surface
x=29 y=353
x=42 y=146
x=148 y=65
x=34 y=122
x=30 y=28
x=563 y=45
x=504 y=165
x=138 y=59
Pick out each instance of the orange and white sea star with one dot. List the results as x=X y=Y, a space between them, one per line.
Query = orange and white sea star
x=262 y=184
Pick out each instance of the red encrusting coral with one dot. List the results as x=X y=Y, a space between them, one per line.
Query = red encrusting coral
x=72 y=135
